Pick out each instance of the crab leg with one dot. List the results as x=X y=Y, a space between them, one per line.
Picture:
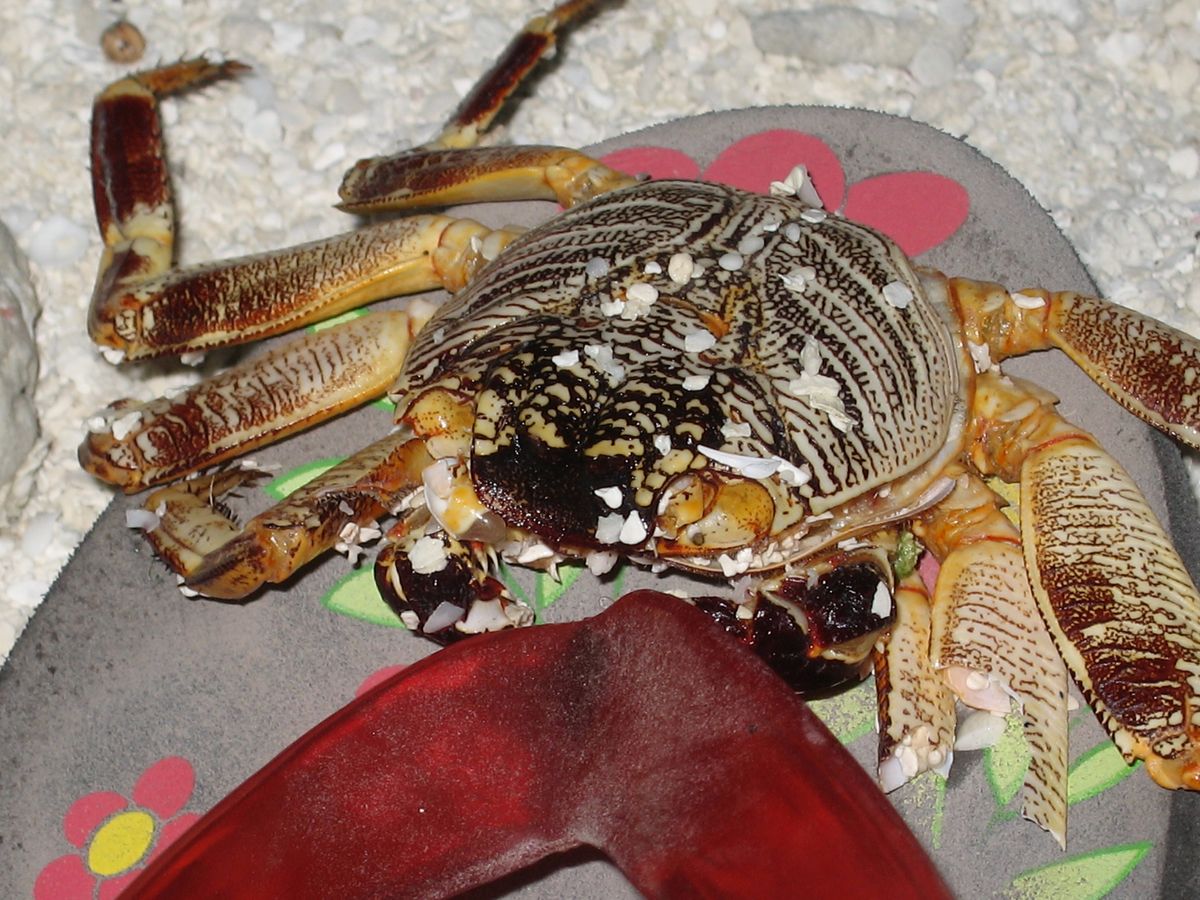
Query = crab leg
x=435 y=177
x=244 y=299
x=131 y=187
x=916 y=707
x=532 y=43
x=1146 y=366
x=260 y=401
x=144 y=307
x=989 y=641
x=1112 y=589
x=217 y=559
x=453 y=169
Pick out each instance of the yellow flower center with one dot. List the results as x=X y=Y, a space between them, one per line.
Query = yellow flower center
x=121 y=842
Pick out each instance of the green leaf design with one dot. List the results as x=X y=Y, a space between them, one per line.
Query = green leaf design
x=337 y=320
x=282 y=485
x=908 y=552
x=618 y=578
x=355 y=595
x=922 y=803
x=509 y=577
x=1006 y=762
x=939 y=810
x=848 y=715
x=1088 y=876
x=547 y=590
x=1096 y=771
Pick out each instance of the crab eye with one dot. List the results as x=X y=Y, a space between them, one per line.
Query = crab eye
x=716 y=512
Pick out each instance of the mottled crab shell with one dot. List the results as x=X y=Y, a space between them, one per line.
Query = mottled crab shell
x=629 y=341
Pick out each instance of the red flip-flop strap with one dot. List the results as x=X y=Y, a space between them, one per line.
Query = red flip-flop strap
x=644 y=731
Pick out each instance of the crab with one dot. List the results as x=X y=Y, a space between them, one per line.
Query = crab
x=687 y=375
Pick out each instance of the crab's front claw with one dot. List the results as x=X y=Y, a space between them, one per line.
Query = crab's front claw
x=441 y=587
x=644 y=732
x=816 y=633
x=191 y=530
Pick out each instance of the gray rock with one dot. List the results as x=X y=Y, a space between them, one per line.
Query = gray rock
x=835 y=35
x=19 y=309
x=930 y=50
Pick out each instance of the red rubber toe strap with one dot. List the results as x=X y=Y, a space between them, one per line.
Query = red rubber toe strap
x=644 y=731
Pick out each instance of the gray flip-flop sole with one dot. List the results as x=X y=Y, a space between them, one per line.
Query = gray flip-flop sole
x=117 y=671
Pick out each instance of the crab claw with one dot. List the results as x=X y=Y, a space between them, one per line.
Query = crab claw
x=816 y=633
x=644 y=732
x=440 y=586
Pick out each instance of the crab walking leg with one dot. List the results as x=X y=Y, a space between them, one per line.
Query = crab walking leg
x=916 y=707
x=143 y=306
x=292 y=387
x=452 y=169
x=1151 y=369
x=217 y=559
x=240 y=300
x=532 y=43
x=435 y=177
x=989 y=640
x=1112 y=589
x=131 y=187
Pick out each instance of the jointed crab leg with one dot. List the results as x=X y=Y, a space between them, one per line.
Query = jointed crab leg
x=218 y=559
x=988 y=638
x=475 y=113
x=244 y=299
x=288 y=389
x=1146 y=366
x=131 y=187
x=144 y=307
x=453 y=169
x=424 y=177
x=916 y=707
x=1112 y=589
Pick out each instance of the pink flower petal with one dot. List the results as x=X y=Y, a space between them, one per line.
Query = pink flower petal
x=165 y=786
x=657 y=162
x=758 y=159
x=110 y=888
x=65 y=878
x=917 y=210
x=88 y=813
x=377 y=677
